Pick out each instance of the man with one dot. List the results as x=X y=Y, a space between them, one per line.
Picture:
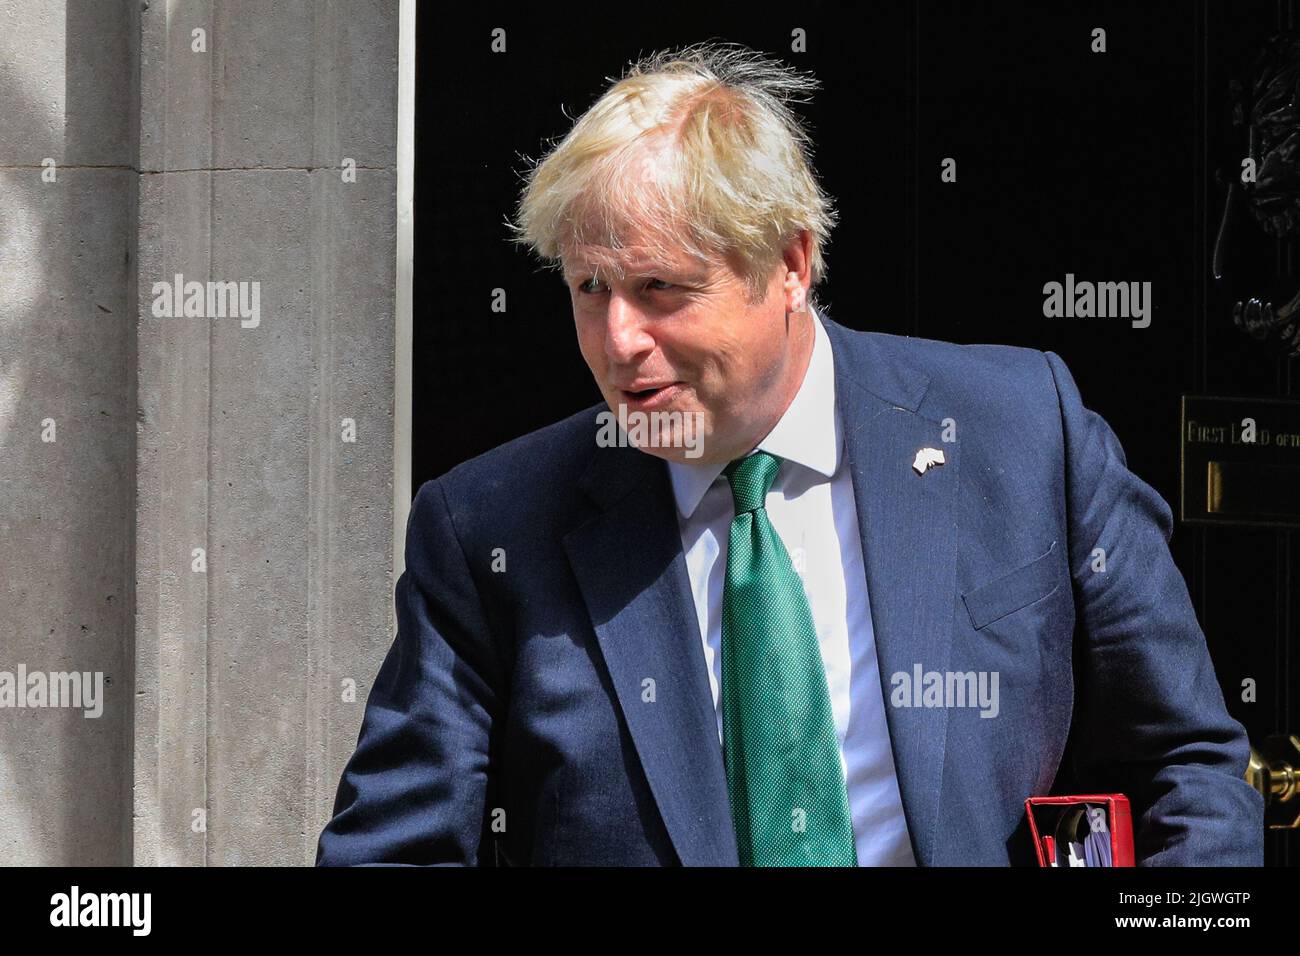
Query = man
x=840 y=598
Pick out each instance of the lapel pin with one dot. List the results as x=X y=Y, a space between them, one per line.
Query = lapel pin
x=925 y=458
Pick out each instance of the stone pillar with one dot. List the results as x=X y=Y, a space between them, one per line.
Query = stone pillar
x=67 y=421
x=214 y=526
x=264 y=530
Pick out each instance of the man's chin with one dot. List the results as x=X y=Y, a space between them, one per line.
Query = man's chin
x=670 y=433
x=682 y=456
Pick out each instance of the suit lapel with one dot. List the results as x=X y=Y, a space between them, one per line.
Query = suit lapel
x=908 y=526
x=630 y=568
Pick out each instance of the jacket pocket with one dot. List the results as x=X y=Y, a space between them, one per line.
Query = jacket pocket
x=1015 y=589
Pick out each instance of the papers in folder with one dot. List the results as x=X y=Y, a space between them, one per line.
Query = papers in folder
x=1094 y=847
x=1093 y=830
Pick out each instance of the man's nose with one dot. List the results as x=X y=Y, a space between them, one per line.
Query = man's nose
x=625 y=331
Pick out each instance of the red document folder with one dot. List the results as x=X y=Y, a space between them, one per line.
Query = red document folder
x=1044 y=811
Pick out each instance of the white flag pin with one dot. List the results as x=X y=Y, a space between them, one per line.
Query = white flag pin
x=925 y=458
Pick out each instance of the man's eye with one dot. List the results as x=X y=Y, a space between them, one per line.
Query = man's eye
x=585 y=286
x=662 y=284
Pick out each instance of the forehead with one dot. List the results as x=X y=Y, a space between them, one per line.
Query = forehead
x=630 y=260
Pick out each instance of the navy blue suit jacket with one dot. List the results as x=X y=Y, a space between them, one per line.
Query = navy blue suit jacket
x=510 y=721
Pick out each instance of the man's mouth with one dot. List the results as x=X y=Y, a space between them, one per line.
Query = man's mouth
x=650 y=396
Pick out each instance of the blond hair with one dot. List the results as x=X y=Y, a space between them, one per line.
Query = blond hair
x=696 y=150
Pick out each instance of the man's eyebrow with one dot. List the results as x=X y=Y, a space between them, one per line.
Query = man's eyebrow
x=635 y=269
x=582 y=268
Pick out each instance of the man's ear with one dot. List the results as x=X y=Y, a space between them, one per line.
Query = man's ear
x=796 y=298
x=797 y=261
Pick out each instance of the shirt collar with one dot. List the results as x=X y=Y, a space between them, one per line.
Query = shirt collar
x=808 y=434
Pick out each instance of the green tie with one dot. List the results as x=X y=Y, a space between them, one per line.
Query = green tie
x=789 y=804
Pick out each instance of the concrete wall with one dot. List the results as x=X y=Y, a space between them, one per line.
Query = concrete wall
x=201 y=531
x=67 y=430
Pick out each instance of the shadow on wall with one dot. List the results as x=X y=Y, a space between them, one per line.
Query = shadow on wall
x=67 y=329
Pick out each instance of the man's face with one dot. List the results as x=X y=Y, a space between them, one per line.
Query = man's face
x=679 y=336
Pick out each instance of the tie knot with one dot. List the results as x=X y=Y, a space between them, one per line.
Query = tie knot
x=751 y=478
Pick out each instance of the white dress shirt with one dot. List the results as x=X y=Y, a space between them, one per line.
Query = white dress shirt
x=811 y=506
